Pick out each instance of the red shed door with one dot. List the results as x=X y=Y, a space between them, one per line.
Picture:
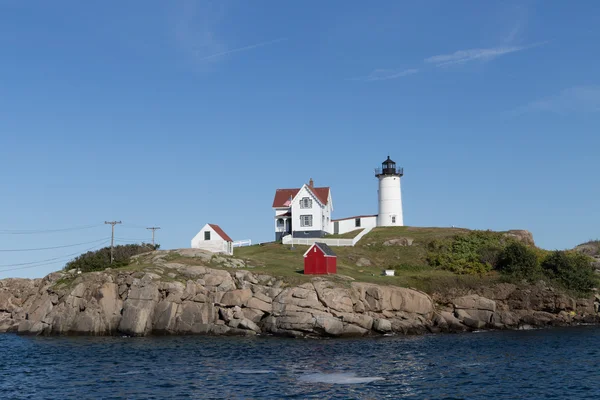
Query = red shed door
x=314 y=262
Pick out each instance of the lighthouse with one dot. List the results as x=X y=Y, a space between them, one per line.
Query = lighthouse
x=390 y=198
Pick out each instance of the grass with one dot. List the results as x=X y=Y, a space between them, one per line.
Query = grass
x=412 y=269
x=347 y=235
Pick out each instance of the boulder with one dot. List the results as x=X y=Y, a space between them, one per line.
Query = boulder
x=353 y=330
x=336 y=298
x=164 y=317
x=296 y=321
x=329 y=325
x=137 y=317
x=193 y=313
x=401 y=241
x=248 y=324
x=382 y=325
x=474 y=302
x=236 y=297
x=256 y=303
x=378 y=298
x=363 y=262
x=522 y=236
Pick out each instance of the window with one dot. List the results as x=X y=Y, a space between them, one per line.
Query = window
x=207 y=235
x=357 y=222
x=280 y=222
x=393 y=219
x=306 y=220
x=306 y=202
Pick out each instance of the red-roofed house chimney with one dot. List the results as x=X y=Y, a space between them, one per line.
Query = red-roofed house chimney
x=311 y=183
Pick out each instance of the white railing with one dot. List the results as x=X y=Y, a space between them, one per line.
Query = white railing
x=242 y=243
x=360 y=235
x=287 y=239
x=310 y=241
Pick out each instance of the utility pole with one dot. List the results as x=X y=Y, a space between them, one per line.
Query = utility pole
x=153 y=229
x=112 y=237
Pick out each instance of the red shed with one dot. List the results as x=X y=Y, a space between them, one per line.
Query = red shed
x=320 y=259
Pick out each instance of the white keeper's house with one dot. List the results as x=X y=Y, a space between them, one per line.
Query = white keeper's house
x=306 y=212
x=212 y=238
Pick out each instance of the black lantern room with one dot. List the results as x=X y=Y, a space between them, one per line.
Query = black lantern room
x=388 y=167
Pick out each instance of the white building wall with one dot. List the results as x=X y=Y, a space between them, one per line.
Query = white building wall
x=216 y=244
x=390 y=201
x=316 y=211
x=348 y=225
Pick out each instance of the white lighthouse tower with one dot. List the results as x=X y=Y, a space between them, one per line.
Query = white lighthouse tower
x=390 y=198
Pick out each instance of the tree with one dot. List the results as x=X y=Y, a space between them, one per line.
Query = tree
x=520 y=261
x=573 y=270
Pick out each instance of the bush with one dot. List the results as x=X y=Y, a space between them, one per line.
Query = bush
x=474 y=253
x=99 y=260
x=519 y=261
x=572 y=270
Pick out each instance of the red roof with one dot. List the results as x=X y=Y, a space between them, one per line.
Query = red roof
x=283 y=195
x=220 y=232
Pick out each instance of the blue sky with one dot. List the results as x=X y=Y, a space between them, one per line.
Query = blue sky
x=174 y=114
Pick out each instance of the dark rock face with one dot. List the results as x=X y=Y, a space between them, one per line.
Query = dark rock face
x=213 y=301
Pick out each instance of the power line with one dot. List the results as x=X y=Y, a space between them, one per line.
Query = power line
x=48 y=261
x=42 y=231
x=129 y=226
x=54 y=247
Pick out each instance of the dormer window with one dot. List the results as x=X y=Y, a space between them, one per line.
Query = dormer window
x=306 y=202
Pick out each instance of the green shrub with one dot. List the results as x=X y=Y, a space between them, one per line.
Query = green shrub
x=474 y=253
x=99 y=260
x=519 y=261
x=572 y=270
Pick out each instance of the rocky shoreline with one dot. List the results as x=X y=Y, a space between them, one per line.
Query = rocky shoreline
x=170 y=298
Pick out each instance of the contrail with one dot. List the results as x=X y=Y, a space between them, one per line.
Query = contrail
x=250 y=47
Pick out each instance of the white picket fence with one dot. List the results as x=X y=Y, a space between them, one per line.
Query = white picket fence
x=242 y=243
x=330 y=242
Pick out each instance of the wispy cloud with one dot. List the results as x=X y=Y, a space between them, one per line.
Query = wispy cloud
x=464 y=56
x=578 y=99
x=198 y=32
x=519 y=16
x=238 y=49
x=385 y=74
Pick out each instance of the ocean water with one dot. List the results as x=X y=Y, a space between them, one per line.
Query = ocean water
x=537 y=364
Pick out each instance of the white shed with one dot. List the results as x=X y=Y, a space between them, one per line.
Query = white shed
x=212 y=238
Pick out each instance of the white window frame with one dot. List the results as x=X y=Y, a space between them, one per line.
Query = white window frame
x=306 y=202
x=306 y=220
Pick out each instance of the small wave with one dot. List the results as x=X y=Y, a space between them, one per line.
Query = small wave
x=338 y=378
x=254 y=371
x=134 y=372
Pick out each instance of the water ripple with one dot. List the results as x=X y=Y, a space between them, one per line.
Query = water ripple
x=555 y=363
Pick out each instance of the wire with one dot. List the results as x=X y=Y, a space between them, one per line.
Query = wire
x=51 y=259
x=41 y=231
x=55 y=247
x=131 y=226
x=44 y=262
x=120 y=238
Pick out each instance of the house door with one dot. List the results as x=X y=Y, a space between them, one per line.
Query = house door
x=336 y=227
x=288 y=225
